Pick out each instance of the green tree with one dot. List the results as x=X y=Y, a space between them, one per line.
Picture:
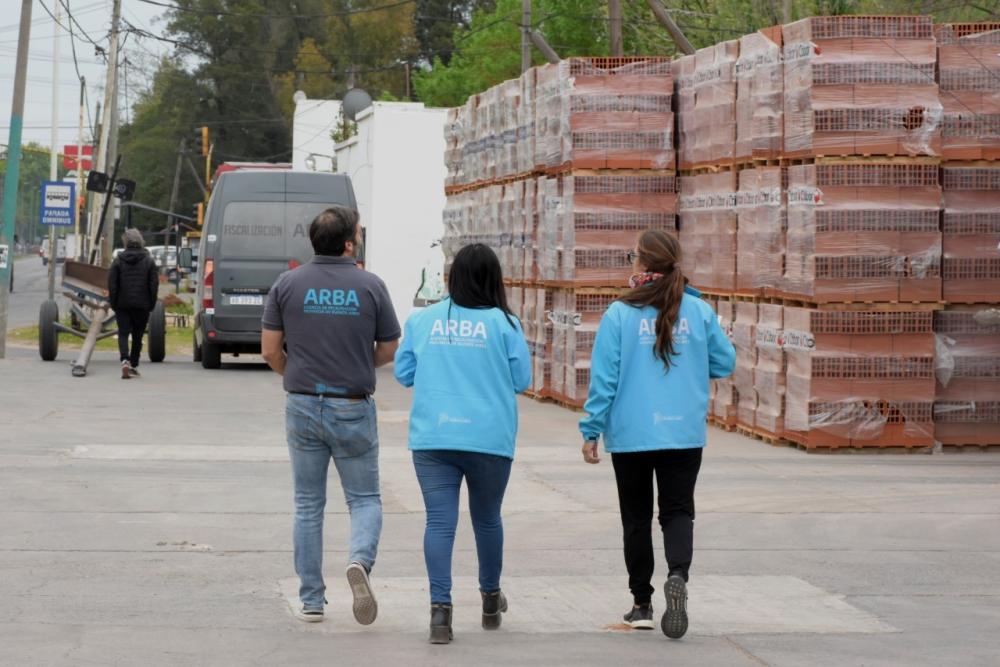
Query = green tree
x=33 y=172
x=436 y=21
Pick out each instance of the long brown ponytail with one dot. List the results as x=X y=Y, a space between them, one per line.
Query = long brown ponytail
x=660 y=252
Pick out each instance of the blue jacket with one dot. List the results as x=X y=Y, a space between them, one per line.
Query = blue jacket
x=632 y=400
x=466 y=365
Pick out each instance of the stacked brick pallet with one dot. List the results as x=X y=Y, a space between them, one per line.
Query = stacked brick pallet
x=559 y=171
x=837 y=200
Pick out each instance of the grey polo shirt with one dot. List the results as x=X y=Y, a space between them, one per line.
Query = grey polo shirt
x=331 y=313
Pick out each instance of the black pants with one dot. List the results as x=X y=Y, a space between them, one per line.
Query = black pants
x=131 y=322
x=676 y=472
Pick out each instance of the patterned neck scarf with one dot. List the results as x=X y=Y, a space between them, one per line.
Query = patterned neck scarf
x=641 y=279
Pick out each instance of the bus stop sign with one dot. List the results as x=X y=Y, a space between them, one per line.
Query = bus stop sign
x=58 y=203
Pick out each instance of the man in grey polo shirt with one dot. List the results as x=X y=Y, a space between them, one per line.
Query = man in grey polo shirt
x=337 y=324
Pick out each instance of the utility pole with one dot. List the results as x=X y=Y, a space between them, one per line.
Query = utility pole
x=525 y=35
x=78 y=241
x=13 y=168
x=171 y=220
x=54 y=152
x=663 y=16
x=543 y=46
x=786 y=11
x=615 y=26
x=108 y=145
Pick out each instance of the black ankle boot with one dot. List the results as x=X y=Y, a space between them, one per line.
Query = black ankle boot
x=441 y=624
x=494 y=604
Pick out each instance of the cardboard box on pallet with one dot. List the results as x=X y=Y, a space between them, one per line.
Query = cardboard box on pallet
x=859 y=378
x=769 y=370
x=861 y=85
x=969 y=75
x=706 y=105
x=604 y=113
x=707 y=230
x=863 y=232
x=760 y=84
x=967 y=399
x=971 y=232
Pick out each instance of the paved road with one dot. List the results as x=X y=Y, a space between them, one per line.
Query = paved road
x=149 y=522
x=31 y=287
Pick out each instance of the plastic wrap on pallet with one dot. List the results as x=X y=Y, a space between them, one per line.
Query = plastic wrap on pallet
x=707 y=229
x=859 y=379
x=744 y=335
x=969 y=75
x=861 y=85
x=706 y=106
x=760 y=83
x=760 y=234
x=590 y=221
x=863 y=232
x=596 y=113
x=724 y=398
x=769 y=370
x=967 y=399
x=971 y=233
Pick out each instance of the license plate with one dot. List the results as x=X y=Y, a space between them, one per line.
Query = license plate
x=246 y=300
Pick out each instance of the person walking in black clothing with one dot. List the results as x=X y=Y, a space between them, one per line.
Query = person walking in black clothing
x=133 y=284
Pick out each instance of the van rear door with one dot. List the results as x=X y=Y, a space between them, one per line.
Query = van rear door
x=250 y=255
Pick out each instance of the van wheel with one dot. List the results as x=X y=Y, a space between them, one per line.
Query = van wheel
x=211 y=355
x=195 y=348
x=48 y=337
x=158 y=333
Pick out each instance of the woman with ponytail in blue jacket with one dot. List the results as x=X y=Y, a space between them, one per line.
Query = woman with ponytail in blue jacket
x=655 y=352
x=466 y=359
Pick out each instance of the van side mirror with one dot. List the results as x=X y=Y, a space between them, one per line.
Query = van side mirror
x=186 y=259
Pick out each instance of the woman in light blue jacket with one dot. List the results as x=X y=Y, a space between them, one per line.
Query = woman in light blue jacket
x=655 y=352
x=466 y=359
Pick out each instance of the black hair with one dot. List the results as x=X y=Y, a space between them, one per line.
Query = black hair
x=476 y=280
x=332 y=229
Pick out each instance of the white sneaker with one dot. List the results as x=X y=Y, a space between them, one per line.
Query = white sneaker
x=365 y=606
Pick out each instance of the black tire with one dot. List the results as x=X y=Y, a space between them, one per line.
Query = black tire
x=196 y=349
x=157 y=348
x=211 y=355
x=48 y=337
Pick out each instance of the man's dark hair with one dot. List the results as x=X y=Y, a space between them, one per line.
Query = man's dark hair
x=332 y=229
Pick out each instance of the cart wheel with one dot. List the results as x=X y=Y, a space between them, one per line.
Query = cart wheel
x=195 y=347
x=211 y=355
x=48 y=337
x=157 y=333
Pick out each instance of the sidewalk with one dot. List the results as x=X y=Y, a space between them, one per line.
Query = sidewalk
x=149 y=522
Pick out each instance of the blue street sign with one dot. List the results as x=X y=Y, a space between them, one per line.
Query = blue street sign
x=58 y=203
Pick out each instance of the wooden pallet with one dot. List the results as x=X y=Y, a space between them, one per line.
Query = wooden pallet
x=763 y=436
x=794 y=159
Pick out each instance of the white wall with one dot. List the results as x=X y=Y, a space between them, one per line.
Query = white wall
x=396 y=163
x=311 y=127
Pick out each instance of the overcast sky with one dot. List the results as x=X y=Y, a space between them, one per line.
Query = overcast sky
x=94 y=16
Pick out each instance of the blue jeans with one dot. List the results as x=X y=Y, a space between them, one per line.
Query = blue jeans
x=345 y=430
x=440 y=474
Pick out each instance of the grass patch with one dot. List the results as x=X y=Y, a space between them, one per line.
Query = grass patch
x=178 y=340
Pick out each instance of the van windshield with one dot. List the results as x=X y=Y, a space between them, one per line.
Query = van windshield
x=269 y=230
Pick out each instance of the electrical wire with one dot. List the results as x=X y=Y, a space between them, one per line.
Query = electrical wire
x=346 y=12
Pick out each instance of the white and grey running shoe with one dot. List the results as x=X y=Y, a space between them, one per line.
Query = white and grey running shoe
x=365 y=606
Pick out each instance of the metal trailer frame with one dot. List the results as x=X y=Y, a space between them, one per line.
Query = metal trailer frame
x=85 y=285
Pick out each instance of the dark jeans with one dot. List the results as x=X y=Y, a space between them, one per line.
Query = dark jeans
x=132 y=322
x=440 y=474
x=676 y=472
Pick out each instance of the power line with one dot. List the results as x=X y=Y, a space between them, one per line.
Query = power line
x=346 y=12
x=73 y=21
x=58 y=23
